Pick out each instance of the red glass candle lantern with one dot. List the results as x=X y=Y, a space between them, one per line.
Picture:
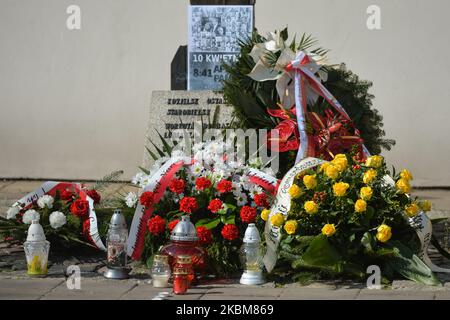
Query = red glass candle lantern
x=180 y=280
x=184 y=242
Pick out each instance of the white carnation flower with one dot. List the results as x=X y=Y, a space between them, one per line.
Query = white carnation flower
x=45 y=201
x=131 y=199
x=12 y=212
x=137 y=178
x=241 y=199
x=57 y=219
x=30 y=215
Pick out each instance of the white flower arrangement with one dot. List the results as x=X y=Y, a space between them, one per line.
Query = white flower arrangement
x=45 y=201
x=12 y=212
x=57 y=219
x=131 y=199
x=30 y=215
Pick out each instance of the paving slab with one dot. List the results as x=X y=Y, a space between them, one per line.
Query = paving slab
x=26 y=289
x=390 y=294
x=92 y=289
x=304 y=293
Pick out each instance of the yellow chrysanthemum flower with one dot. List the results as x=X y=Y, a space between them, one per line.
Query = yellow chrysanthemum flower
x=405 y=174
x=265 y=214
x=310 y=181
x=384 y=233
x=290 y=226
x=412 y=210
x=360 y=205
x=332 y=172
x=425 y=205
x=374 y=161
x=366 y=193
x=329 y=230
x=311 y=207
x=340 y=189
x=295 y=191
x=369 y=175
x=403 y=186
x=340 y=161
x=277 y=220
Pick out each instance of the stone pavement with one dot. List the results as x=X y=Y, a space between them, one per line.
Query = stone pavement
x=15 y=284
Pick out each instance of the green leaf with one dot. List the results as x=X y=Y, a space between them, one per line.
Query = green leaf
x=154 y=156
x=284 y=34
x=320 y=254
x=147 y=172
x=230 y=219
x=409 y=265
x=208 y=223
x=368 y=242
x=166 y=147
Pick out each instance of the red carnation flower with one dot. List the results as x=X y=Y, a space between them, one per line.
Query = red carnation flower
x=202 y=183
x=261 y=200
x=215 y=205
x=204 y=235
x=156 y=225
x=224 y=186
x=94 y=195
x=66 y=195
x=172 y=224
x=177 y=185
x=79 y=208
x=230 y=232
x=188 y=204
x=147 y=199
x=248 y=214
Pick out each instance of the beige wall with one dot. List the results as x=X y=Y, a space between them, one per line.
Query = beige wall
x=74 y=104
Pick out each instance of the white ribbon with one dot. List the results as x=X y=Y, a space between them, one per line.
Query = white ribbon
x=282 y=205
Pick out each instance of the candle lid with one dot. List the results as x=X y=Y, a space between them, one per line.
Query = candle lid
x=251 y=234
x=184 y=230
x=35 y=232
x=118 y=220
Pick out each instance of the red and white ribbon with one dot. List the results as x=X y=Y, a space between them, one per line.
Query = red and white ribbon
x=158 y=184
x=50 y=188
x=304 y=67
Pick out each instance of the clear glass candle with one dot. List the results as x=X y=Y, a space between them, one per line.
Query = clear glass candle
x=160 y=271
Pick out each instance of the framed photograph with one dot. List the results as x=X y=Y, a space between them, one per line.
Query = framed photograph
x=214 y=32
